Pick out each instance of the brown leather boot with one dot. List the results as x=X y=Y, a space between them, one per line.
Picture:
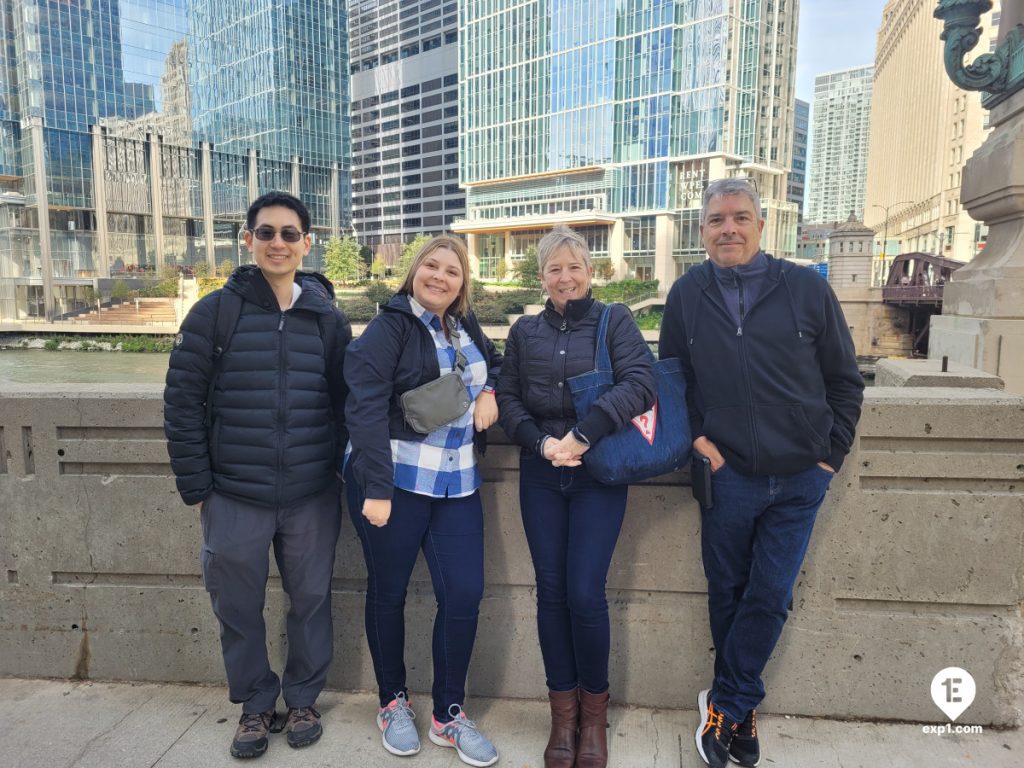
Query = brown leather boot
x=593 y=746
x=565 y=713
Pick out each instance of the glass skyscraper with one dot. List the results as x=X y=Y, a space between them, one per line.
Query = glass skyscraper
x=133 y=134
x=405 y=121
x=611 y=116
x=798 y=176
x=842 y=132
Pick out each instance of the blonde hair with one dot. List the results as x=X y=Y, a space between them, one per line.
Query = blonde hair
x=558 y=238
x=460 y=307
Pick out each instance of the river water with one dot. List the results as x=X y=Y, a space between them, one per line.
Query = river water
x=28 y=366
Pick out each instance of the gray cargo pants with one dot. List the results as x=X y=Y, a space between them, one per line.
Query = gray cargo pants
x=237 y=537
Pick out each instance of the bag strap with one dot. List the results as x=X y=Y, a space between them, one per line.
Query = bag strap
x=453 y=336
x=602 y=360
x=229 y=307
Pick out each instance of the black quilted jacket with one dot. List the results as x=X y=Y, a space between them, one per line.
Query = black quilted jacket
x=543 y=351
x=277 y=426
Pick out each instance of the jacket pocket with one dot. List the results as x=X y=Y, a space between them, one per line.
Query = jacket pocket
x=785 y=437
x=215 y=444
x=728 y=428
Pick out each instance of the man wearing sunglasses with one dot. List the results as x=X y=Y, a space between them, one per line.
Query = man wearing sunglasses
x=253 y=413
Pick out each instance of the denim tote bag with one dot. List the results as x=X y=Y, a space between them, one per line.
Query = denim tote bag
x=651 y=444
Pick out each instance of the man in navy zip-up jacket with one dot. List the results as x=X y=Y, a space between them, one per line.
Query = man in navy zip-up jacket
x=774 y=396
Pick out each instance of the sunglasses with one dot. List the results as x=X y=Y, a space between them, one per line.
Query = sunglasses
x=288 y=234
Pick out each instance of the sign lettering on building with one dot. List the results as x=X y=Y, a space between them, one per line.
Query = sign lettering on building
x=692 y=178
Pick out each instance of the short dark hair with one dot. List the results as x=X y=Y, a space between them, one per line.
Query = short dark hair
x=282 y=199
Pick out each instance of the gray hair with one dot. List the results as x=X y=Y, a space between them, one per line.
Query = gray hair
x=558 y=238
x=727 y=188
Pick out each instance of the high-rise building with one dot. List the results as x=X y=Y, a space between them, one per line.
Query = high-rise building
x=839 y=156
x=405 y=121
x=923 y=130
x=611 y=117
x=798 y=175
x=133 y=134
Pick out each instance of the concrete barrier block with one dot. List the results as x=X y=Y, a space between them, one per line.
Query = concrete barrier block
x=917 y=563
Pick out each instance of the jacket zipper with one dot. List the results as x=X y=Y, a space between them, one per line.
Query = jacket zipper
x=279 y=491
x=746 y=373
x=739 y=289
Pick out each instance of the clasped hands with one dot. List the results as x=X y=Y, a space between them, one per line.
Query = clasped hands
x=567 y=452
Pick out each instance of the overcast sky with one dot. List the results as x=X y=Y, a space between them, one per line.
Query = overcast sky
x=834 y=34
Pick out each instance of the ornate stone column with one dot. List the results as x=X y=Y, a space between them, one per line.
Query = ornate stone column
x=982 y=324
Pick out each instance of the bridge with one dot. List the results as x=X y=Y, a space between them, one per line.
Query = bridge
x=916 y=282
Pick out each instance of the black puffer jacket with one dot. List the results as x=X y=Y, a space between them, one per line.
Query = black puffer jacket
x=277 y=425
x=545 y=350
x=394 y=354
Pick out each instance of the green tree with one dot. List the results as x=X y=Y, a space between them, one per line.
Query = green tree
x=225 y=268
x=342 y=263
x=526 y=270
x=409 y=254
x=366 y=254
x=379 y=269
x=501 y=270
x=119 y=290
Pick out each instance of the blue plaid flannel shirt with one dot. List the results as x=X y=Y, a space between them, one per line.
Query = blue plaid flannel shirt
x=443 y=463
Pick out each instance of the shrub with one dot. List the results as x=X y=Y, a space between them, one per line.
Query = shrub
x=379 y=293
x=358 y=309
x=207 y=285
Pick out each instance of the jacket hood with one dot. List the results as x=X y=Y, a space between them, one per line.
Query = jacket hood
x=249 y=283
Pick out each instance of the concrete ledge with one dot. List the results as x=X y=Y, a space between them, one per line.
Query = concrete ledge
x=917 y=564
x=898 y=372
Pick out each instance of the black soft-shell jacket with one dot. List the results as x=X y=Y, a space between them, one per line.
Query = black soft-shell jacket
x=277 y=424
x=394 y=354
x=543 y=351
x=781 y=391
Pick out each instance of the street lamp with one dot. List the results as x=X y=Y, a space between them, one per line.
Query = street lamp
x=885 y=235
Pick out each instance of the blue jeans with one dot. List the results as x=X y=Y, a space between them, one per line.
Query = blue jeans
x=753 y=541
x=572 y=524
x=451 y=534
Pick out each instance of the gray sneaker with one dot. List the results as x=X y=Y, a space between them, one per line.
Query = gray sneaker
x=461 y=733
x=398 y=730
x=251 y=736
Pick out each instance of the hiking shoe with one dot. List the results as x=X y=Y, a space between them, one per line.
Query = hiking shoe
x=745 y=749
x=398 y=735
x=473 y=747
x=251 y=736
x=303 y=727
x=715 y=732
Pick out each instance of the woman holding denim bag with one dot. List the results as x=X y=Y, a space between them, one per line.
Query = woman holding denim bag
x=413 y=485
x=572 y=522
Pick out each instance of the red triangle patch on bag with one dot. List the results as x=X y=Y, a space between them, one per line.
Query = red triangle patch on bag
x=647 y=423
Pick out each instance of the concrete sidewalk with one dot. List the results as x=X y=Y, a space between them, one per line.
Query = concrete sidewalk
x=123 y=725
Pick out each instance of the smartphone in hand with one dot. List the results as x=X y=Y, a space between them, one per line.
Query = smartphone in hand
x=700 y=479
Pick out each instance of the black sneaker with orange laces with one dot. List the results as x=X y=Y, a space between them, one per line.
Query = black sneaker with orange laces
x=715 y=732
x=745 y=749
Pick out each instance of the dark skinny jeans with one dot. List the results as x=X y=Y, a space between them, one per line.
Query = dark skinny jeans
x=572 y=524
x=450 y=532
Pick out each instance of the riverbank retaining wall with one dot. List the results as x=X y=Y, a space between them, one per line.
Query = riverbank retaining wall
x=916 y=564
